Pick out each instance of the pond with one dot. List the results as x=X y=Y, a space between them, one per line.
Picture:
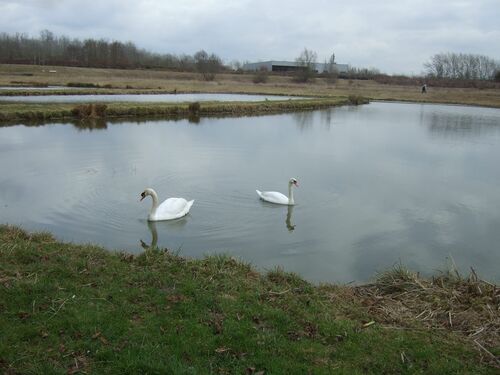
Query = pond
x=155 y=98
x=379 y=184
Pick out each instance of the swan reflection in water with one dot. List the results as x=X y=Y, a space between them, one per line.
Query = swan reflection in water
x=179 y=223
x=288 y=220
x=289 y=213
x=154 y=236
x=173 y=225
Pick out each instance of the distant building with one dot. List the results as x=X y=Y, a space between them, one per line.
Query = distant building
x=290 y=66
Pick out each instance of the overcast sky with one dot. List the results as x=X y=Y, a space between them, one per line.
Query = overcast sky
x=394 y=36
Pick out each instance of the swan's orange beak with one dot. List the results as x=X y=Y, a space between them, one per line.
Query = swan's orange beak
x=296 y=183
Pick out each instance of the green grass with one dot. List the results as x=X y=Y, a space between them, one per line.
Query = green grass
x=68 y=308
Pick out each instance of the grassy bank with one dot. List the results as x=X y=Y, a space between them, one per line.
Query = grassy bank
x=67 y=308
x=150 y=81
x=10 y=112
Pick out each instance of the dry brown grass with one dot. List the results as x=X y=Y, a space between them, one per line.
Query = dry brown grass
x=92 y=110
x=468 y=306
x=170 y=81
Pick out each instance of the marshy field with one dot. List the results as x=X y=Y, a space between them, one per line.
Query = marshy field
x=387 y=264
x=92 y=80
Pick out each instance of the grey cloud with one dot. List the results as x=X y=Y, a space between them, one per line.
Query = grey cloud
x=393 y=36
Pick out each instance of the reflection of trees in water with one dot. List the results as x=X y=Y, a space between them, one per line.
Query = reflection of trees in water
x=100 y=123
x=460 y=125
x=326 y=116
x=305 y=119
x=194 y=119
x=91 y=124
x=86 y=124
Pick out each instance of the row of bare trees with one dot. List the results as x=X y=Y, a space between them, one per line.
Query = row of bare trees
x=49 y=49
x=462 y=66
x=450 y=66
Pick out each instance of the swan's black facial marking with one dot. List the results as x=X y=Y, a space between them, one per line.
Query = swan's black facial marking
x=143 y=195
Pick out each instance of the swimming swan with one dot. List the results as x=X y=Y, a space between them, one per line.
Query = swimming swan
x=171 y=208
x=278 y=198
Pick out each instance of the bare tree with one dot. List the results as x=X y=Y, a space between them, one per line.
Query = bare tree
x=331 y=71
x=461 y=66
x=47 y=44
x=207 y=65
x=236 y=65
x=307 y=66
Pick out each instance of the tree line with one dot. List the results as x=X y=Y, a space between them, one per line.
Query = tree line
x=49 y=49
x=462 y=66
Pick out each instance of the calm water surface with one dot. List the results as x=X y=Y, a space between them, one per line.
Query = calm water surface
x=379 y=184
x=156 y=98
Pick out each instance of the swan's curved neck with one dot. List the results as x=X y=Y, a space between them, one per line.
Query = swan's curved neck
x=290 y=194
x=155 y=202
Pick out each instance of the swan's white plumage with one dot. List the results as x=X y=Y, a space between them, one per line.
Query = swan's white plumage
x=273 y=197
x=169 y=209
x=277 y=197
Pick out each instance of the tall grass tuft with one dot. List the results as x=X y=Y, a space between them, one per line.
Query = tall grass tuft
x=92 y=110
x=357 y=100
x=260 y=76
x=194 y=108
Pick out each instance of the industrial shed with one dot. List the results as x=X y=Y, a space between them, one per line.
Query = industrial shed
x=290 y=66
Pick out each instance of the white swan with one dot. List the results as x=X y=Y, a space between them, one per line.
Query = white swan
x=171 y=208
x=278 y=198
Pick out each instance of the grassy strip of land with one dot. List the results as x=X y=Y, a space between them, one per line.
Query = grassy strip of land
x=68 y=308
x=116 y=81
x=10 y=112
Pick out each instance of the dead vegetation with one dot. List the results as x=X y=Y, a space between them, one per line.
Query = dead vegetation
x=163 y=81
x=468 y=306
x=93 y=110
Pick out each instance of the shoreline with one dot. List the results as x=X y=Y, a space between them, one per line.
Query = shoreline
x=64 y=303
x=32 y=111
